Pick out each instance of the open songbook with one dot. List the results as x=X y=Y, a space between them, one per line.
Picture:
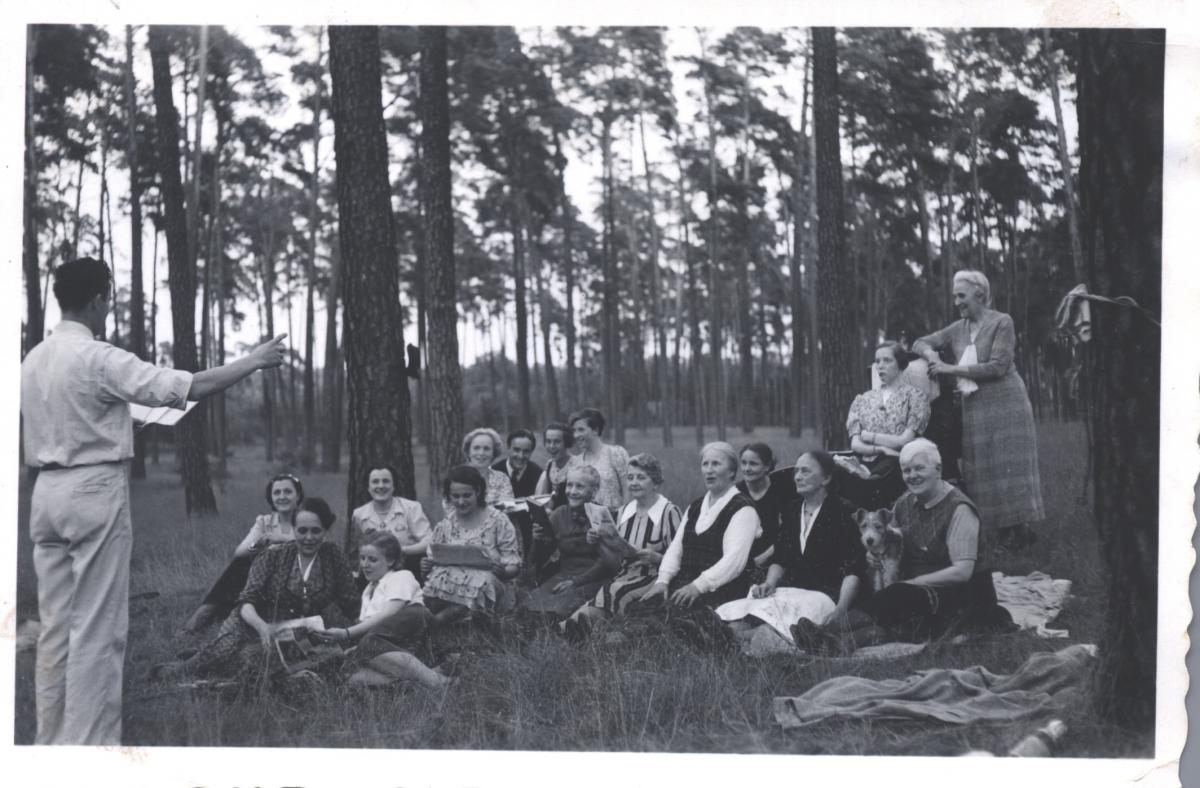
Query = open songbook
x=297 y=650
x=167 y=417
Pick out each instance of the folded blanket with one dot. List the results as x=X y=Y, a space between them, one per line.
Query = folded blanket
x=1033 y=600
x=1046 y=681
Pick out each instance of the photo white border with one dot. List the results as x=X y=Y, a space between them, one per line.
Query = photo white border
x=1179 y=466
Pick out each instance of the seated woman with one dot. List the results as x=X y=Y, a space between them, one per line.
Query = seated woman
x=481 y=447
x=284 y=493
x=387 y=512
x=609 y=460
x=707 y=558
x=557 y=440
x=392 y=621
x=455 y=591
x=880 y=423
x=770 y=494
x=818 y=560
x=645 y=526
x=296 y=580
x=942 y=588
x=583 y=566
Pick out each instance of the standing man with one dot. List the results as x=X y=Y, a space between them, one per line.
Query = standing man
x=75 y=395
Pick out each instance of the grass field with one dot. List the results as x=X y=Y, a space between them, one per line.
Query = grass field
x=540 y=693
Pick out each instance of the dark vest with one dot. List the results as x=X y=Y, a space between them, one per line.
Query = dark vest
x=925 y=532
x=701 y=551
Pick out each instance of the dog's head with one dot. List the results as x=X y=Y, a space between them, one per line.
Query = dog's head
x=874 y=527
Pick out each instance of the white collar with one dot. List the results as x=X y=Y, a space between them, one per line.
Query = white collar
x=73 y=327
x=655 y=512
x=710 y=509
x=393 y=509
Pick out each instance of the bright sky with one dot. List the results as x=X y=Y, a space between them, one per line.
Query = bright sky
x=781 y=91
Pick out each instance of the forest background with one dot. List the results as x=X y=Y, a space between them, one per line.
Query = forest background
x=685 y=282
x=636 y=197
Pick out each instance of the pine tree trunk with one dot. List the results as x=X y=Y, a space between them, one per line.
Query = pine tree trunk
x=521 y=307
x=137 y=297
x=189 y=433
x=635 y=352
x=314 y=215
x=696 y=362
x=443 y=387
x=376 y=382
x=665 y=400
x=193 y=203
x=270 y=378
x=1121 y=148
x=566 y=260
x=610 y=346
x=751 y=396
x=837 y=331
x=550 y=398
x=216 y=258
x=34 y=314
x=716 y=340
x=1064 y=157
x=331 y=439
x=799 y=312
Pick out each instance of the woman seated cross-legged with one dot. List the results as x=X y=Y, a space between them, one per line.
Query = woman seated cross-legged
x=473 y=581
x=943 y=588
x=583 y=566
x=297 y=580
x=880 y=423
x=284 y=493
x=818 y=561
x=645 y=527
x=392 y=621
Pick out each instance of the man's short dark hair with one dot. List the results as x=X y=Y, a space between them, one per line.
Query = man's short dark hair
x=79 y=281
x=522 y=433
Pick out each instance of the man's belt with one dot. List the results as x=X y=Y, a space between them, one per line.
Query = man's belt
x=54 y=466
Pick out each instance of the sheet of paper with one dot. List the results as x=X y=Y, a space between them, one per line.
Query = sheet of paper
x=164 y=416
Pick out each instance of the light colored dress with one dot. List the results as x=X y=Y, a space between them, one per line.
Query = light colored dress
x=476 y=588
x=268 y=527
x=406 y=521
x=612 y=463
x=903 y=408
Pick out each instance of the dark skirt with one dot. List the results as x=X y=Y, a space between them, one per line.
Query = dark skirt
x=916 y=613
x=224 y=593
x=878 y=491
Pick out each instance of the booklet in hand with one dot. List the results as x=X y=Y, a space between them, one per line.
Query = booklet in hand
x=296 y=648
x=167 y=417
x=459 y=555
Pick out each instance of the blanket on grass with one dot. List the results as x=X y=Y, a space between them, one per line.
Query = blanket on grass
x=1033 y=600
x=1045 y=682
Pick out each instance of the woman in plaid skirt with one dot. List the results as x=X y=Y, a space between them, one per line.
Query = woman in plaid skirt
x=999 y=442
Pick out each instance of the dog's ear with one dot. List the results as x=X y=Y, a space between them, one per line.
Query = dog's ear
x=888 y=517
x=859 y=515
